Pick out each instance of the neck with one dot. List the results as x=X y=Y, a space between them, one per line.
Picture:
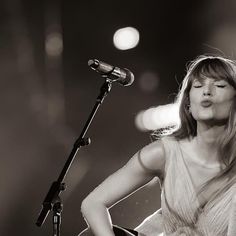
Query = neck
x=206 y=141
x=207 y=135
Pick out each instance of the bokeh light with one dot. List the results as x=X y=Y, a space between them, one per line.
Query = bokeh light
x=158 y=117
x=54 y=44
x=149 y=81
x=126 y=38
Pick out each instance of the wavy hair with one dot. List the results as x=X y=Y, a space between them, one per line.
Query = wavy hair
x=211 y=67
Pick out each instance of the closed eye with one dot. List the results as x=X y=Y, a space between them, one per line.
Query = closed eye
x=221 y=86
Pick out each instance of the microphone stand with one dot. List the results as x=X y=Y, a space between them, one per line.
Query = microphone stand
x=52 y=199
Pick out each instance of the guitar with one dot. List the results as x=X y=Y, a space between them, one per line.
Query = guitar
x=119 y=231
x=151 y=225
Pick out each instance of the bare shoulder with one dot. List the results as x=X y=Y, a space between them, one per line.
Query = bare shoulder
x=154 y=149
x=152 y=156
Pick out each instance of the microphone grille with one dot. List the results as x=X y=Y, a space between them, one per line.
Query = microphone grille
x=129 y=77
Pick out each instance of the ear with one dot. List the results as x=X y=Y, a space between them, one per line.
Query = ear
x=189 y=109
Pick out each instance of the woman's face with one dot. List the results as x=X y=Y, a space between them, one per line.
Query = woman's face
x=211 y=100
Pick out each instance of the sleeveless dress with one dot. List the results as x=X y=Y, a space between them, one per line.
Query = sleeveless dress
x=182 y=213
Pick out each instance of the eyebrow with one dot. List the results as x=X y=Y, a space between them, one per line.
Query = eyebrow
x=200 y=79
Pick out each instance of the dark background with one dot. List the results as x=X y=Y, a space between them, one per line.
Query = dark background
x=45 y=99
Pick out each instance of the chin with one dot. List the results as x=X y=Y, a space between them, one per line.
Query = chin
x=213 y=121
x=203 y=117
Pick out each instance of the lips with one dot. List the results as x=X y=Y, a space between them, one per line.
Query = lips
x=206 y=103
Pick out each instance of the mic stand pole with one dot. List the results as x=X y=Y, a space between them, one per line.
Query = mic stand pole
x=56 y=219
x=52 y=199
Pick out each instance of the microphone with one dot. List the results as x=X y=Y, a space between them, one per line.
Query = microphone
x=122 y=76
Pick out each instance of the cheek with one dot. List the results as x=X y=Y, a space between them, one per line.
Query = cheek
x=225 y=100
x=194 y=98
x=225 y=106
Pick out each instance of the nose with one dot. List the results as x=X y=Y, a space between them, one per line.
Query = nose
x=207 y=90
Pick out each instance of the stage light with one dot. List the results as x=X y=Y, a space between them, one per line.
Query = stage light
x=126 y=38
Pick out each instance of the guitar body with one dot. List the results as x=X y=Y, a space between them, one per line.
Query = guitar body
x=151 y=225
x=119 y=231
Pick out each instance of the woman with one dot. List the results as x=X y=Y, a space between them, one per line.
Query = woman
x=196 y=164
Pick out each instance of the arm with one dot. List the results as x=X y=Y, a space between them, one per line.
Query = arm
x=121 y=184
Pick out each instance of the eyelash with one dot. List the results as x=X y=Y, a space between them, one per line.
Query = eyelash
x=219 y=86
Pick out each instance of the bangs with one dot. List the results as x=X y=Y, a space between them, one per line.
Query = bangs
x=216 y=69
